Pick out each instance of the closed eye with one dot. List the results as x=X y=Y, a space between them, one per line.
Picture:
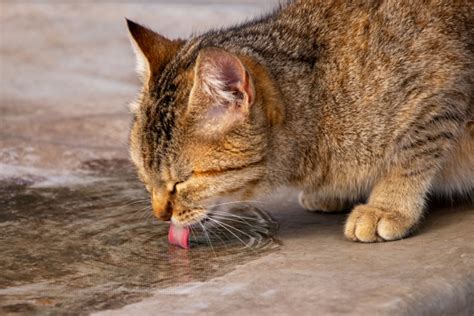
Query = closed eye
x=215 y=172
x=176 y=183
x=173 y=191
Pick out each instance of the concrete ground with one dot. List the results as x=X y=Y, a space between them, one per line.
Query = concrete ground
x=66 y=76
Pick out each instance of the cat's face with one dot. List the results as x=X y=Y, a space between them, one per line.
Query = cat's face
x=199 y=132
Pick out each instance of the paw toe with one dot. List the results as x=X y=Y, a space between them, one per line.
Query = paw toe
x=393 y=227
x=370 y=224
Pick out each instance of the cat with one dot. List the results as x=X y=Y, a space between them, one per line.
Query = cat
x=345 y=100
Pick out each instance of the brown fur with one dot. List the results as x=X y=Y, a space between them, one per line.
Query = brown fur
x=345 y=100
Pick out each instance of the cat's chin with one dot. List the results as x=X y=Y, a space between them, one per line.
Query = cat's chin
x=195 y=220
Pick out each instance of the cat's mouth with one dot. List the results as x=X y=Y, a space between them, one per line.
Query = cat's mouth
x=190 y=218
x=244 y=224
x=209 y=218
x=201 y=218
x=201 y=214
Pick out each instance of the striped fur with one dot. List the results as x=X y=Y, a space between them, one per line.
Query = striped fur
x=353 y=101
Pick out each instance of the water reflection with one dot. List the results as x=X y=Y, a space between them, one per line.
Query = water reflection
x=95 y=246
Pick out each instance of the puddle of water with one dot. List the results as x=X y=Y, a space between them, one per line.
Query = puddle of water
x=85 y=248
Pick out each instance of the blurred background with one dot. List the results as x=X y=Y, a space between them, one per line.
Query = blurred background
x=67 y=73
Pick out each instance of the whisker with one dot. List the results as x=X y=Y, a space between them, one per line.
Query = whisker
x=192 y=232
x=232 y=215
x=207 y=237
x=143 y=209
x=214 y=226
x=224 y=226
x=218 y=236
x=235 y=228
x=218 y=233
x=243 y=243
x=236 y=220
x=236 y=202
x=149 y=214
x=132 y=203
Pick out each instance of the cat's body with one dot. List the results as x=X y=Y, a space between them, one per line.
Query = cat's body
x=344 y=101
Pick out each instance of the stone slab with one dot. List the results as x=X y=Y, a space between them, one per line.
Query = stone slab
x=66 y=76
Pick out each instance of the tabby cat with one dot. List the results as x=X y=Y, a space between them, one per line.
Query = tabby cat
x=348 y=101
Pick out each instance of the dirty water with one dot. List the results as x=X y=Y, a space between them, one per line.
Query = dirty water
x=95 y=245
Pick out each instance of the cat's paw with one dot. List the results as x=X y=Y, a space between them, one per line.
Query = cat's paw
x=315 y=203
x=371 y=224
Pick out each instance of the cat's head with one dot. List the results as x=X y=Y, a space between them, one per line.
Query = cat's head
x=201 y=124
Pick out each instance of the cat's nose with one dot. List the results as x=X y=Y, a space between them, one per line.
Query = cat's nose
x=163 y=213
x=161 y=205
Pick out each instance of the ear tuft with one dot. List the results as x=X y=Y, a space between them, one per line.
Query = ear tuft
x=224 y=78
x=142 y=65
x=153 y=51
x=223 y=91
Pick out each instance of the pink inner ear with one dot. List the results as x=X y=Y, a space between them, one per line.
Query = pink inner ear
x=231 y=73
x=223 y=75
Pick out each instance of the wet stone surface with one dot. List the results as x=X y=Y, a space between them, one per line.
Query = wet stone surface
x=95 y=245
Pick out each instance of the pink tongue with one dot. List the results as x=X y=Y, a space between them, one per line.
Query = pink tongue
x=179 y=236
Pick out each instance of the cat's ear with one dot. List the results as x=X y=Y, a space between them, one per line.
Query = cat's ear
x=225 y=86
x=153 y=51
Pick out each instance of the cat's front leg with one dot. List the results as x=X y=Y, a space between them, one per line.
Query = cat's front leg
x=394 y=208
x=317 y=202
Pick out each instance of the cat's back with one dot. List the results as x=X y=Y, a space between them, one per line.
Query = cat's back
x=458 y=15
x=392 y=77
x=382 y=67
x=388 y=26
x=366 y=57
x=385 y=52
